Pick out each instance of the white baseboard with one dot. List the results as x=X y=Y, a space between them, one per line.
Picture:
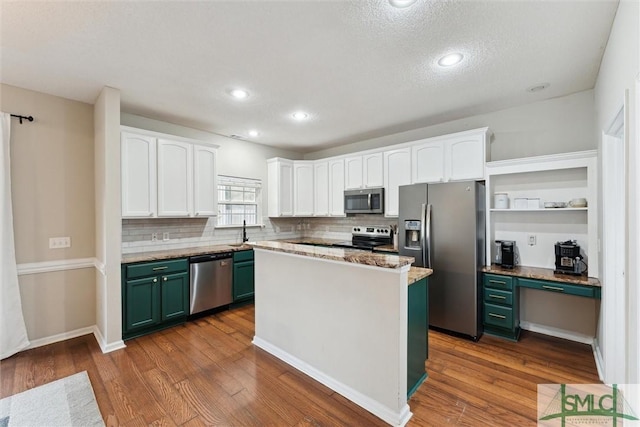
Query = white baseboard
x=556 y=332
x=104 y=346
x=597 y=355
x=60 y=337
x=381 y=411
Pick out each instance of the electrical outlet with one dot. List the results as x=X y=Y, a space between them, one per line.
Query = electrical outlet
x=165 y=236
x=154 y=237
x=59 y=242
x=532 y=240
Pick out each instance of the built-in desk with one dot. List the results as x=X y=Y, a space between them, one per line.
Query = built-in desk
x=501 y=301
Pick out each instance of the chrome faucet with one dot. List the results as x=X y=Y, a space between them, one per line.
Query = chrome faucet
x=244 y=231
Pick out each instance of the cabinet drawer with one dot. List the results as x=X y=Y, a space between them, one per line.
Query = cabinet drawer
x=498 y=282
x=498 y=296
x=498 y=316
x=561 y=288
x=243 y=256
x=157 y=268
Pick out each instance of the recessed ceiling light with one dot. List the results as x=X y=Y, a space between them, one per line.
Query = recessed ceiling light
x=253 y=133
x=239 y=93
x=450 y=59
x=300 y=115
x=538 y=88
x=401 y=3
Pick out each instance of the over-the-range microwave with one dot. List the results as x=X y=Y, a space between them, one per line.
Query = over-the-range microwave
x=368 y=200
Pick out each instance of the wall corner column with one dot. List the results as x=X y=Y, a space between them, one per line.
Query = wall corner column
x=108 y=330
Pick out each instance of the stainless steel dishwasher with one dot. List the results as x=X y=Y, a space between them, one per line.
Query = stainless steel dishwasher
x=210 y=281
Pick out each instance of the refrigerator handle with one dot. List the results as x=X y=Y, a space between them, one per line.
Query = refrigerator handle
x=423 y=235
x=428 y=237
x=369 y=201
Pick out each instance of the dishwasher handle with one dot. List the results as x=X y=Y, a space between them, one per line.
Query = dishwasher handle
x=210 y=257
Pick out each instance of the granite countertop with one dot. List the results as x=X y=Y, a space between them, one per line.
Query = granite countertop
x=337 y=254
x=182 y=253
x=417 y=273
x=542 y=274
x=386 y=248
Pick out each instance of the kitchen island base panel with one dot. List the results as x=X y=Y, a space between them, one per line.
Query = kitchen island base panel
x=382 y=412
x=346 y=321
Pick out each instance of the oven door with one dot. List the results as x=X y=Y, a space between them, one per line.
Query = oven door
x=364 y=201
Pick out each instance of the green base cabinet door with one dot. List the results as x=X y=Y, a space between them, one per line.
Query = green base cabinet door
x=143 y=310
x=175 y=296
x=418 y=335
x=243 y=276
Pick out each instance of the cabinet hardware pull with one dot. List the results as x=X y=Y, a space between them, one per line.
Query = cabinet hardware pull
x=553 y=288
x=499 y=316
x=165 y=278
x=497 y=296
x=155 y=280
x=498 y=282
x=160 y=268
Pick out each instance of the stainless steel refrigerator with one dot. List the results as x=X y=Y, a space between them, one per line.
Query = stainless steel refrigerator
x=443 y=227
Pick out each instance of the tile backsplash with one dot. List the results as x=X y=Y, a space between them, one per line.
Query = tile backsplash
x=190 y=232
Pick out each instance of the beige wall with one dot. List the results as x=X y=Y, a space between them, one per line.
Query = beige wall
x=53 y=196
x=558 y=125
x=51 y=174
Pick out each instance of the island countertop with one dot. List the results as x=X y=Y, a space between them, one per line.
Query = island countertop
x=337 y=254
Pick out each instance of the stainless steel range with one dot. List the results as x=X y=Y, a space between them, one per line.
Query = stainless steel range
x=368 y=237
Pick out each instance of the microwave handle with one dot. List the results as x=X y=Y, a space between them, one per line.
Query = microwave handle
x=369 y=200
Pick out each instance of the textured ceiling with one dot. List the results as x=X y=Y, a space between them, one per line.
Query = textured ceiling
x=362 y=69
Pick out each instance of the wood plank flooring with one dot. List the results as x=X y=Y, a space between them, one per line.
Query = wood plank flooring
x=207 y=372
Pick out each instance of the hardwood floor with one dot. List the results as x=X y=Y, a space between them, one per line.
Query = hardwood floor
x=207 y=372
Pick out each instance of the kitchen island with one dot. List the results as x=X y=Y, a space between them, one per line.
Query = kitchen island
x=341 y=317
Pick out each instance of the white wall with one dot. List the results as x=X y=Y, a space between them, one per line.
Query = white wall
x=558 y=125
x=620 y=74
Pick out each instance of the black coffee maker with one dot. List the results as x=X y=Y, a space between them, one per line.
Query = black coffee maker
x=508 y=252
x=568 y=258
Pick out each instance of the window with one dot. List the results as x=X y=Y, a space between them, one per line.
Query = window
x=238 y=201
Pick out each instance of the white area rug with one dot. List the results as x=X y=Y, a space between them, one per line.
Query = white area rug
x=66 y=402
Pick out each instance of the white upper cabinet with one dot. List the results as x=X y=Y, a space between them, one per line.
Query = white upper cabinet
x=167 y=177
x=456 y=157
x=397 y=172
x=138 y=175
x=303 y=188
x=280 y=187
x=321 y=188
x=363 y=171
x=372 y=170
x=427 y=160
x=336 y=187
x=353 y=172
x=175 y=183
x=205 y=183
x=465 y=157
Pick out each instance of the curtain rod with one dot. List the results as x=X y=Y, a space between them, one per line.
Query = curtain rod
x=30 y=118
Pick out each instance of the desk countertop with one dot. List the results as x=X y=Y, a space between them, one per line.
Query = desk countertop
x=542 y=274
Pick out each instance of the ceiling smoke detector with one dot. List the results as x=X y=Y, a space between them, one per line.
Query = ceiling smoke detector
x=538 y=88
x=253 y=133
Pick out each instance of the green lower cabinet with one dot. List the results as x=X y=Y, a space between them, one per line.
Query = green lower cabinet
x=243 y=276
x=500 y=306
x=158 y=299
x=417 y=335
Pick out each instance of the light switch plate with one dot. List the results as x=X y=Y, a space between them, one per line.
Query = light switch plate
x=59 y=242
x=165 y=236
